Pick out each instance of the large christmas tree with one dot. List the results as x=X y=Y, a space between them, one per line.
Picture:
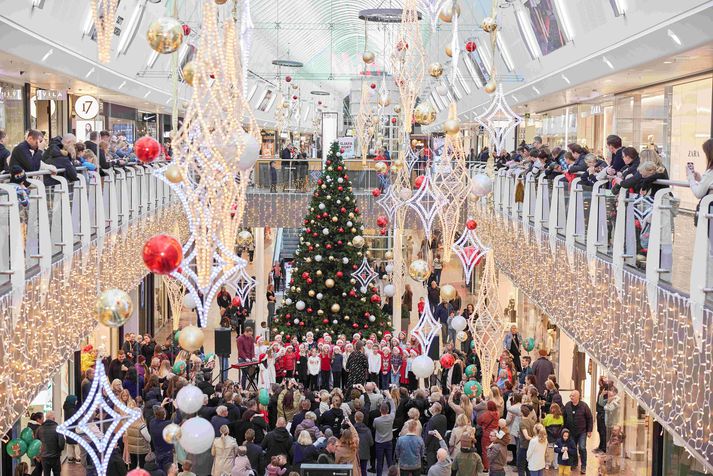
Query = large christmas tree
x=322 y=295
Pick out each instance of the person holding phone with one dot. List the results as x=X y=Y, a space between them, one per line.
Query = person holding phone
x=701 y=184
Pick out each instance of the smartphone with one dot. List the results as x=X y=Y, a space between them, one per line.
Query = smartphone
x=690 y=165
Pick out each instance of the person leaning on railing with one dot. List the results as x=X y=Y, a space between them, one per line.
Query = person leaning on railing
x=628 y=177
x=28 y=156
x=60 y=153
x=701 y=184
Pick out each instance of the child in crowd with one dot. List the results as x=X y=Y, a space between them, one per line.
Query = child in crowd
x=276 y=466
x=566 y=450
x=313 y=364
x=186 y=466
x=337 y=366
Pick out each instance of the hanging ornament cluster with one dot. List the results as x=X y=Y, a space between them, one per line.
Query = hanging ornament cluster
x=104 y=16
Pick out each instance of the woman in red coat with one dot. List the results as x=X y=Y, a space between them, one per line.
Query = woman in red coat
x=488 y=421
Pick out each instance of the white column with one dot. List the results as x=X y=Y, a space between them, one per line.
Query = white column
x=398 y=259
x=260 y=305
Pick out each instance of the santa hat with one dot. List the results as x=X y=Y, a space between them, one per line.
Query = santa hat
x=258 y=339
x=413 y=353
x=387 y=335
x=340 y=342
x=357 y=336
x=385 y=350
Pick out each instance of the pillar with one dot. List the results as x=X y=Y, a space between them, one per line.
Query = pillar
x=260 y=276
x=398 y=281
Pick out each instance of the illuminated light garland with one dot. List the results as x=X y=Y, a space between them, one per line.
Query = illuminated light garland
x=175 y=291
x=427 y=203
x=104 y=15
x=427 y=329
x=100 y=448
x=470 y=251
x=409 y=62
x=243 y=284
x=363 y=126
x=364 y=275
x=654 y=355
x=498 y=120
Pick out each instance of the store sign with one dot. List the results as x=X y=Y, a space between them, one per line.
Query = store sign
x=347 y=143
x=50 y=95
x=595 y=109
x=10 y=94
x=86 y=107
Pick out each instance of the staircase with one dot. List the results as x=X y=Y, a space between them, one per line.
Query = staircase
x=290 y=242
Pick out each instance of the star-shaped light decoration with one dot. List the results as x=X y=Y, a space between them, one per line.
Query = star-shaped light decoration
x=498 y=120
x=101 y=408
x=470 y=251
x=364 y=275
x=390 y=202
x=426 y=329
x=426 y=203
x=243 y=284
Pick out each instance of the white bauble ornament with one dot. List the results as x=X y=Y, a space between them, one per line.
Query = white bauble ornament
x=171 y=433
x=318 y=258
x=189 y=399
x=422 y=366
x=288 y=301
x=340 y=180
x=363 y=289
x=372 y=318
x=320 y=296
x=188 y=302
x=482 y=185
x=325 y=231
x=300 y=305
x=389 y=290
x=296 y=321
x=250 y=153
x=458 y=323
x=322 y=206
x=197 y=435
x=349 y=223
x=345 y=260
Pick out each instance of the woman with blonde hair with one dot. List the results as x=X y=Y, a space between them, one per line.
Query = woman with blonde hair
x=136 y=441
x=497 y=397
x=347 y=451
x=224 y=451
x=536 y=452
x=303 y=451
x=462 y=427
x=413 y=415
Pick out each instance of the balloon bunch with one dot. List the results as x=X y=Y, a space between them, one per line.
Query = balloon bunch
x=25 y=444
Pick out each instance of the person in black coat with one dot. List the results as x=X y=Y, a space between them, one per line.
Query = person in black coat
x=437 y=422
x=61 y=153
x=118 y=367
x=4 y=153
x=617 y=152
x=70 y=407
x=52 y=445
x=278 y=441
x=629 y=175
x=26 y=154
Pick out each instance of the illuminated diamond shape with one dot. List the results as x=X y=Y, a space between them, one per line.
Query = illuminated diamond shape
x=426 y=329
x=498 y=120
x=470 y=251
x=364 y=275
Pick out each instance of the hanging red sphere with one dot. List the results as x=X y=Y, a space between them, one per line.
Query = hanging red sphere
x=340 y=168
x=235 y=302
x=309 y=310
x=340 y=274
x=328 y=246
x=288 y=79
x=308 y=230
x=382 y=232
x=147 y=149
x=341 y=230
x=354 y=266
x=375 y=298
x=356 y=210
x=471 y=224
x=329 y=162
x=355 y=325
x=340 y=188
x=325 y=214
x=470 y=46
x=366 y=326
x=310 y=247
x=419 y=181
x=162 y=254
x=315 y=234
x=352 y=293
x=319 y=182
x=325 y=321
x=288 y=324
x=343 y=210
x=339 y=242
x=372 y=85
x=186 y=29
x=346 y=177
x=376 y=192
x=302 y=323
x=393 y=120
x=294 y=98
x=309 y=280
x=288 y=316
x=382 y=221
x=447 y=361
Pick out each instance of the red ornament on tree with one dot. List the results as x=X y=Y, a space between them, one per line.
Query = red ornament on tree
x=382 y=232
x=340 y=188
x=341 y=230
x=325 y=321
x=343 y=210
x=376 y=192
x=375 y=298
x=328 y=246
x=309 y=280
x=162 y=254
x=352 y=293
x=340 y=274
x=147 y=149
x=305 y=275
x=186 y=29
x=355 y=325
x=341 y=151
x=382 y=221
x=339 y=242
x=447 y=361
x=470 y=46
x=302 y=324
x=309 y=310
x=471 y=224
x=339 y=168
x=419 y=181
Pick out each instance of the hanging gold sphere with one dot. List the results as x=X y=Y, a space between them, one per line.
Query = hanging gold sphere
x=397 y=109
x=448 y=292
x=358 y=241
x=419 y=270
x=368 y=57
x=424 y=113
x=384 y=101
x=491 y=86
x=311 y=293
x=335 y=308
x=319 y=273
x=435 y=69
x=489 y=24
x=244 y=238
x=381 y=167
x=389 y=255
x=329 y=283
x=174 y=173
x=171 y=433
x=447 y=13
x=113 y=308
x=189 y=72
x=165 y=35
x=191 y=338
x=449 y=52
x=452 y=127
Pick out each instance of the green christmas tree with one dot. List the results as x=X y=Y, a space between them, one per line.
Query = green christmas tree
x=322 y=296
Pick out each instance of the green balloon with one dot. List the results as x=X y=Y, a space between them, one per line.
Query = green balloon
x=470 y=370
x=472 y=344
x=33 y=449
x=264 y=397
x=179 y=367
x=529 y=344
x=175 y=336
x=473 y=387
x=26 y=435
x=208 y=356
x=16 y=447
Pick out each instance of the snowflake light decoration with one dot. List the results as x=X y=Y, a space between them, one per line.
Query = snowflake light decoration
x=427 y=329
x=498 y=120
x=243 y=283
x=364 y=275
x=470 y=251
x=94 y=414
x=427 y=203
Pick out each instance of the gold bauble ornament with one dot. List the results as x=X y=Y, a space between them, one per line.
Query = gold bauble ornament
x=165 y=35
x=448 y=12
x=398 y=165
x=320 y=312
x=384 y=101
x=451 y=126
x=389 y=255
x=244 y=238
x=171 y=433
x=335 y=308
x=221 y=2
x=358 y=241
x=191 y=338
x=491 y=86
x=329 y=283
x=335 y=219
x=189 y=72
x=319 y=272
x=368 y=57
x=448 y=292
x=489 y=24
x=113 y=308
x=311 y=293
x=424 y=113
x=174 y=173
x=435 y=69
x=381 y=167
x=397 y=109
x=419 y=270
x=449 y=52
x=462 y=336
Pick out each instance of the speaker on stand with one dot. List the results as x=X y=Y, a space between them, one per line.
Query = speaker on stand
x=222 y=350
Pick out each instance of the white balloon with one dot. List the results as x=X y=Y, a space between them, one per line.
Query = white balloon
x=482 y=185
x=250 y=154
x=197 y=435
x=188 y=302
x=300 y=305
x=405 y=194
x=389 y=290
x=458 y=323
x=189 y=399
x=422 y=366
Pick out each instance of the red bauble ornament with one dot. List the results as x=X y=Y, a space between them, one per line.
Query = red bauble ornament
x=354 y=266
x=471 y=224
x=447 y=361
x=302 y=324
x=341 y=230
x=352 y=293
x=308 y=230
x=288 y=324
x=339 y=168
x=292 y=280
x=162 y=254
x=305 y=275
x=325 y=214
x=340 y=188
x=329 y=162
x=382 y=221
x=356 y=209
x=325 y=321
x=339 y=242
x=315 y=234
x=328 y=246
x=236 y=301
x=470 y=46
x=419 y=181
x=186 y=29
x=310 y=247
x=306 y=221
x=288 y=79
x=341 y=151
x=309 y=310
x=294 y=98
x=147 y=149
x=343 y=210
x=309 y=280
x=346 y=177
x=375 y=298
x=376 y=192
x=319 y=182
x=340 y=274
x=382 y=232
x=288 y=316
x=372 y=85
x=366 y=326
x=366 y=314
x=355 y=325
x=393 y=120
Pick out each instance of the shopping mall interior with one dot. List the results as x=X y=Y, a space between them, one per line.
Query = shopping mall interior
x=356 y=237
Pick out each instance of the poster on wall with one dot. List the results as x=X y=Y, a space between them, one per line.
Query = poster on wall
x=347 y=143
x=545 y=25
x=84 y=128
x=126 y=130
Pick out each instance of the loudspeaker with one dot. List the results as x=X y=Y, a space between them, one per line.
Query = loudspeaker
x=326 y=470
x=222 y=342
x=434 y=352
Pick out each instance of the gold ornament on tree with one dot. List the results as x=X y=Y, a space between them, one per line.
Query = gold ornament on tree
x=174 y=173
x=449 y=51
x=104 y=15
x=335 y=308
x=358 y=241
x=244 y=238
x=329 y=282
x=165 y=35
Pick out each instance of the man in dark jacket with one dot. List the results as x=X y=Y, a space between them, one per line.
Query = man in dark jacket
x=255 y=454
x=4 y=153
x=333 y=417
x=60 y=153
x=617 y=152
x=118 y=367
x=278 y=441
x=26 y=154
x=438 y=423
x=52 y=445
x=163 y=450
x=542 y=369
x=578 y=420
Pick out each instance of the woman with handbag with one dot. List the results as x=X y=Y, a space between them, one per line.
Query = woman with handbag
x=136 y=441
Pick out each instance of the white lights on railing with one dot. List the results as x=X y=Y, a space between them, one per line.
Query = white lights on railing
x=147 y=94
x=152 y=59
x=47 y=55
x=505 y=53
x=90 y=72
x=674 y=37
x=607 y=62
x=537 y=91
x=123 y=83
x=566 y=79
x=564 y=18
x=130 y=31
x=523 y=22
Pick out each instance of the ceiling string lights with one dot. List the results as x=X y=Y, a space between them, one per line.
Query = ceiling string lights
x=409 y=63
x=104 y=15
x=363 y=126
x=212 y=168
